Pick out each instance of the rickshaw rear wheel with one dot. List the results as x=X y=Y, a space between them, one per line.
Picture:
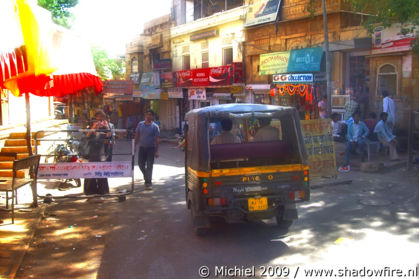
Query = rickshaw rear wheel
x=281 y=222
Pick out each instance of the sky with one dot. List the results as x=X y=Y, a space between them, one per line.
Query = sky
x=110 y=24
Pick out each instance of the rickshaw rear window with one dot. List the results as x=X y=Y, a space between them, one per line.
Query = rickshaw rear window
x=252 y=141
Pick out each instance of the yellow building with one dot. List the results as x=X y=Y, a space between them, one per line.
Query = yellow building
x=206 y=48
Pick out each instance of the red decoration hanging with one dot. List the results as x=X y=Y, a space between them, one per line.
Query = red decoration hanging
x=292 y=89
x=303 y=89
x=282 y=89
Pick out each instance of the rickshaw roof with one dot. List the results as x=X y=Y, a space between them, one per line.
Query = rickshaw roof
x=239 y=108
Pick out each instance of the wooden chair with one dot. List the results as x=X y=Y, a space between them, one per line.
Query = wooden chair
x=14 y=183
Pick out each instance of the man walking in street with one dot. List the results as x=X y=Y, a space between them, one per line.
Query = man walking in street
x=147 y=133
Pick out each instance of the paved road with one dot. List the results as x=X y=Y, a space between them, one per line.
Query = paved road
x=150 y=235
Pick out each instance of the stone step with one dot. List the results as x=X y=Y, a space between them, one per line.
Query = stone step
x=22 y=135
x=6 y=165
x=6 y=158
x=16 y=149
x=11 y=159
x=18 y=142
x=22 y=155
x=9 y=173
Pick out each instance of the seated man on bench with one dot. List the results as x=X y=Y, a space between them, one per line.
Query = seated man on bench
x=357 y=132
x=386 y=137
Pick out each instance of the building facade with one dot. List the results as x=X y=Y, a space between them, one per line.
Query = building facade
x=207 y=53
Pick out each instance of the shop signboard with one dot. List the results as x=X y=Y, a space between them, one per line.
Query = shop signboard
x=150 y=84
x=197 y=94
x=293 y=78
x=175 y=93
x=222 y=96
x=318 y=141
x=85 y=170
x=262 y=11
x=298 y=60
x=123 y=87
x=214 y=76
x=166 y=79
x=395 y=38
x=274 y=63
x=164 y=95
x=236 y=89
x=162 y=64
x=151 y=94
x=203 y=35
x=305 y=60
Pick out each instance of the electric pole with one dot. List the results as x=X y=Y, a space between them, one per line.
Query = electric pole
x=327 y=53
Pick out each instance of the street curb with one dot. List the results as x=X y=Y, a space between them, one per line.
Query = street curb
x=37 y=222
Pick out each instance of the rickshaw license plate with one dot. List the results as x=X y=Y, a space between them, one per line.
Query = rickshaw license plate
x=257 y=204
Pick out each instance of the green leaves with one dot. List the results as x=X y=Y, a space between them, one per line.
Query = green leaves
x=106 y=67
x=386 y=12
x=60 y=10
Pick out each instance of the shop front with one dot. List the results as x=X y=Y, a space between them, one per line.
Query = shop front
x=212 y=86
x=394 y=68
x=293 y=79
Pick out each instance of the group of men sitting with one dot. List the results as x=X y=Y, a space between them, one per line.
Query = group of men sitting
x=355 y=133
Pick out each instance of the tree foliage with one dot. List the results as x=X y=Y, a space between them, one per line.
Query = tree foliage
x=387 y=12
x=106 y=67
x=60 y=10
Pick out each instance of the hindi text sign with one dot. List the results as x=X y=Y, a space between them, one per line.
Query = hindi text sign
x=85 y=170
x=318 y=141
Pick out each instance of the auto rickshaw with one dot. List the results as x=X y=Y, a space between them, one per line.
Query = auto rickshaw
x=244 y=162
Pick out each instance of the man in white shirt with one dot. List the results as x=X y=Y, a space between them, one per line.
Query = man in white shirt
x=390 y=109
x=226 y=136
x=386 y=137
x=266 y=132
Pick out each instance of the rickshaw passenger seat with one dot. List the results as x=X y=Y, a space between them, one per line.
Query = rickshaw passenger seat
x=268 y=151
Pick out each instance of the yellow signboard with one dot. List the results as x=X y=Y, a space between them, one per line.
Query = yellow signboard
x=164 y=95
x=236 y=89
x=274 y=63
x=318 y=140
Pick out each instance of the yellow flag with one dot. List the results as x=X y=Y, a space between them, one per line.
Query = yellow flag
x=36 y=44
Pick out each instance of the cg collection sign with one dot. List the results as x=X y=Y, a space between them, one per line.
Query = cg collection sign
x=293 y=78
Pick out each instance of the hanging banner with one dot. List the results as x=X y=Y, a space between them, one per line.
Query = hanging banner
x=297 y=60
x=292 y=78
x=318 y=140
x=197 y=94
x=85 y=170
x=262 y=11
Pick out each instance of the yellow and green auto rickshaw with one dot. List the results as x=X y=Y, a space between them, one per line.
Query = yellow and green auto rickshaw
x=244 y=162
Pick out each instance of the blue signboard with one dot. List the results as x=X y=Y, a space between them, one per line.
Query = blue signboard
x=305 y=60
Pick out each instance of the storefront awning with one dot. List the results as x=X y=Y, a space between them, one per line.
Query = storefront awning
x=294 y=61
